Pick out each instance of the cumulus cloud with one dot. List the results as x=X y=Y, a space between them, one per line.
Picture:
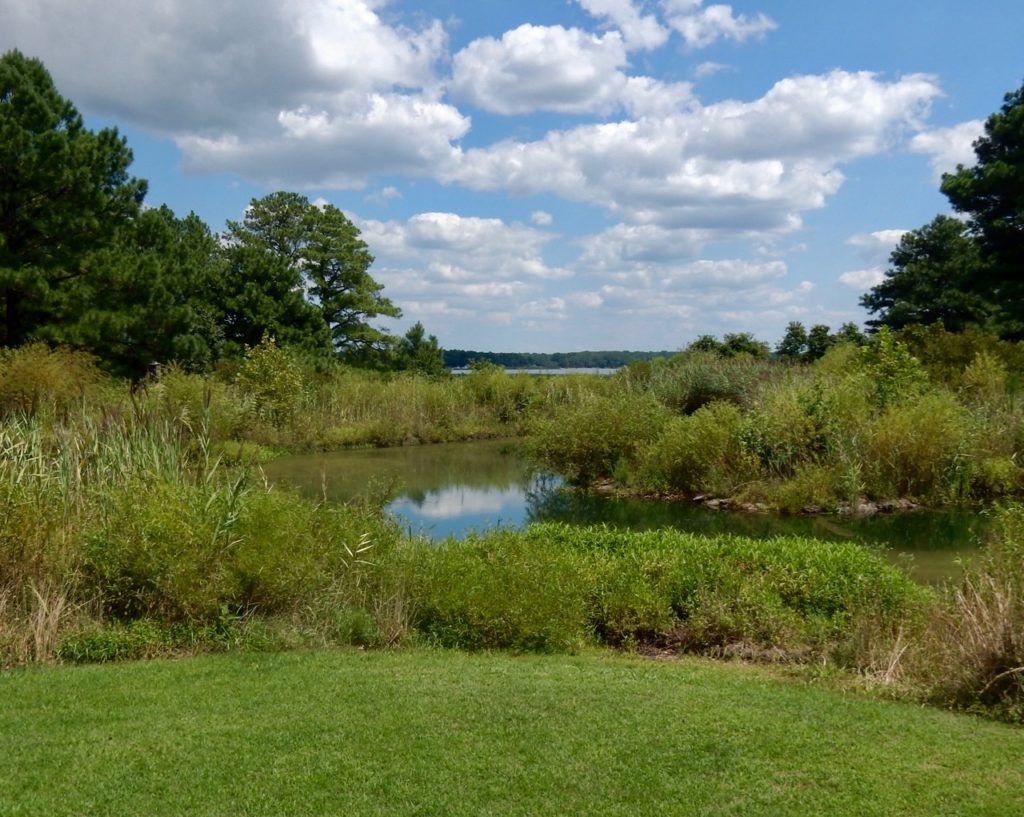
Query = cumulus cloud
x=875 y=248
x=700 y=27
x=451 y=267
x=630 y=250
x=541 y=68
x=541 y=218
x=862 y=279
x=340 y=145
x=248 y=85
x=949 y=147
x=640 y=31
x=487 y=247
x=754 y=164
x=200 y=65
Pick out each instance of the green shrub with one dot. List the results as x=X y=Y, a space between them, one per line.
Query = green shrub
x=37 y=378
x=918 y=449
x=946 y=355
x=556 y=586
x=819 y=486
x=503 y=590
x=597 y=437
x=186 y=552
x=787 y=592
x=273 y=379
x=694 y=379
x=701 y=452
x=895 y=373
x=984 y=380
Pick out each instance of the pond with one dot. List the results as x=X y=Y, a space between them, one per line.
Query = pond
x=451 y=489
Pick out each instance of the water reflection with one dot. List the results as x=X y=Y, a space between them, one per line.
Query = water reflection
x=450 y=490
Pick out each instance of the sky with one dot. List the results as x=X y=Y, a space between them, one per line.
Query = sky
x=557 y=175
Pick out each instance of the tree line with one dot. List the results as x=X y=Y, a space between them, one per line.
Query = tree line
x=84 y=262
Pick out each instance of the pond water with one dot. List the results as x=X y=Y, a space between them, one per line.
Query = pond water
x=452 y=489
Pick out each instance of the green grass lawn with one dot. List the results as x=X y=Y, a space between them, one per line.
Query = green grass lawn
x=446 y=733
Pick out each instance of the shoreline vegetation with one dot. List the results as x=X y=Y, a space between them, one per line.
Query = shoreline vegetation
x=131 y=526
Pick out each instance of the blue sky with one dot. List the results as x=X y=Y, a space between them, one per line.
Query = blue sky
x=561 y=175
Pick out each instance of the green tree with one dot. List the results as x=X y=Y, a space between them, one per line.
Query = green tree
x=931 y=278
x=991 y=194
x=706 y=343
x=794 y=342
x=260 y=293
x=144 y=298
x=315 y=254
x=743 y=343
x=850 y=333
x=64 y=191
x=421 y=353
x=819 y=341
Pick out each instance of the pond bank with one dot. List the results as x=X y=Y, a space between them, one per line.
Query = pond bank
x=451 y=489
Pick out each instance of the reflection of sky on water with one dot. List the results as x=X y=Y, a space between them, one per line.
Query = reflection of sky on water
x=456 y=510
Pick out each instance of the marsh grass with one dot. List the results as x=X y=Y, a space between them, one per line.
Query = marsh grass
x=111 y=520
x=970 y=653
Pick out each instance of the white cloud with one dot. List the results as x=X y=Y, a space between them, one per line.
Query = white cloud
x=385 y=195
x=708 y=69
x=647 y=97
x=629 y=250
x=541 y=68
x=875 y=248
x=321 y=93
x=949 y=147
x=733 y=165
x=449 y=266
x=640 y=31
x=341 y=145
x=213 y=67
x=541 y=218
x=700 y=27
x=488 y=246
x=862 y=279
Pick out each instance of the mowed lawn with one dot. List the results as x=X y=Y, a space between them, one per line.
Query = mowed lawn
x=446 y=733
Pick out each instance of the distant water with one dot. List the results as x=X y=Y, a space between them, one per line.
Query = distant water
x=453 y=489
x=546 y=371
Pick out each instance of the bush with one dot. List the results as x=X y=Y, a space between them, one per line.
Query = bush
x=37 y=378
x=597 y=437
x=701 y=452
x=186 y=552
x=918 y=449
x=273 y=379
x=694 y=379
x=503 y=590
x=556 y=586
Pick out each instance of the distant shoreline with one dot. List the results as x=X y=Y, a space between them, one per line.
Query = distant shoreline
x=587 y=360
